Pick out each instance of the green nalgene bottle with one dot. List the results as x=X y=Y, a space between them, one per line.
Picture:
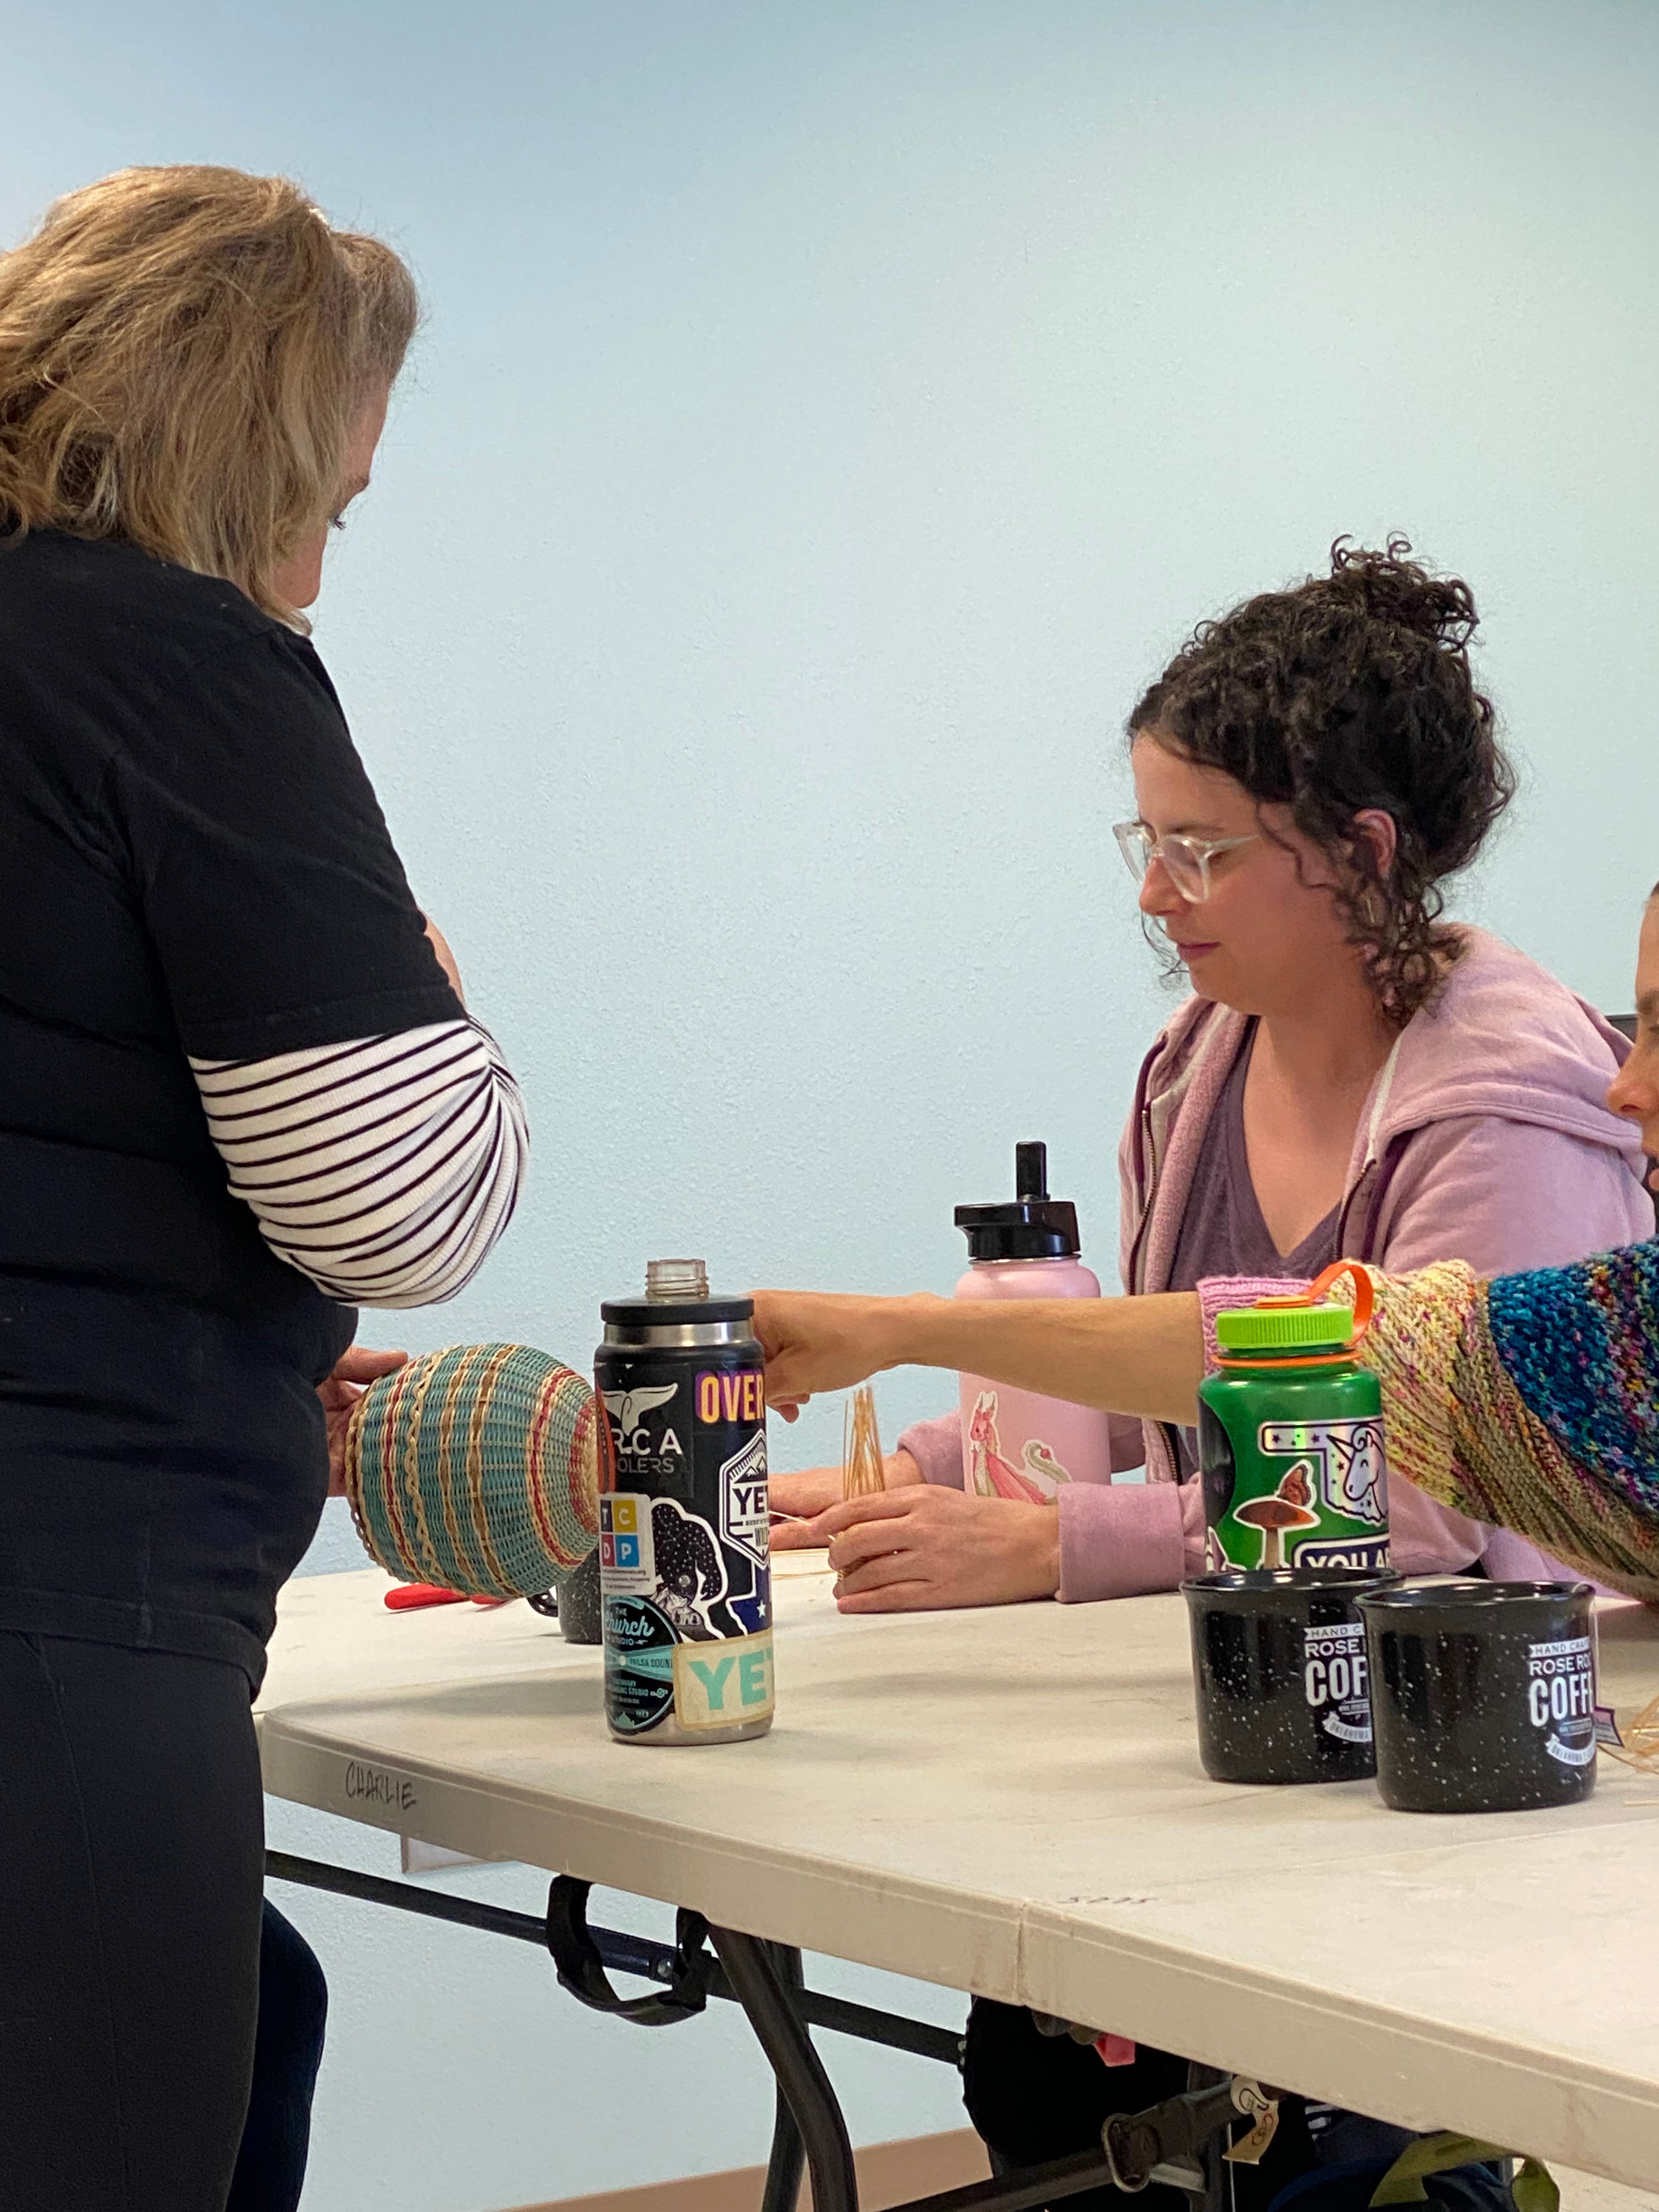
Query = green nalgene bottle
x=1290 y=1440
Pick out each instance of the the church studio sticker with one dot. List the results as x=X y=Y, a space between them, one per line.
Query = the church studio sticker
x=1561 y=1698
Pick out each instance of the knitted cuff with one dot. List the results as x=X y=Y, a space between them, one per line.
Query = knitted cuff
x=1220 y=1293
x=1413 y=1344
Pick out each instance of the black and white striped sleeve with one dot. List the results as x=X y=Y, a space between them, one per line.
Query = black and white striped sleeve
x=384 y=1168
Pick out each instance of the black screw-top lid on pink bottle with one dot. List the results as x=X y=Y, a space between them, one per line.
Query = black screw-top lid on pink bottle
x=1033 y=1227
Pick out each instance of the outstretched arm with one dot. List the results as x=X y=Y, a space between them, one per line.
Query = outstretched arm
x=1142 y=1355
x=1531 y=1402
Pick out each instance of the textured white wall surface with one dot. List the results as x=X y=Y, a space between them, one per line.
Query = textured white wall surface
x=828 y=417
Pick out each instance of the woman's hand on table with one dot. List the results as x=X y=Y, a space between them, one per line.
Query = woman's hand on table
x=355 y=1370
x=818 y=1340
x=808 y=1496
x=922 y=1547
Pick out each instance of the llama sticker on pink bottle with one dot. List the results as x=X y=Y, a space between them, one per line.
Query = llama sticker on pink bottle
x=1015 y=1444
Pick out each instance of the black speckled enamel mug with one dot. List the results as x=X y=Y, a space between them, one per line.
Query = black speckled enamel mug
x=1483 y=1694
x=1280 y=1669
x=580 y=1609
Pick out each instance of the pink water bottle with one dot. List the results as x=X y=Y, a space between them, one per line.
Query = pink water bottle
x=1015 y=1444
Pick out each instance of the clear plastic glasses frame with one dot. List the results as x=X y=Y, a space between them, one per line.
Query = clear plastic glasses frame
x=1185 y=860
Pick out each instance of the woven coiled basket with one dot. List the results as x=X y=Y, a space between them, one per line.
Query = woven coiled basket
x=477 y=1469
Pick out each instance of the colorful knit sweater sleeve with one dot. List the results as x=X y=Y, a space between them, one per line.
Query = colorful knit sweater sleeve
x=1532 y=1402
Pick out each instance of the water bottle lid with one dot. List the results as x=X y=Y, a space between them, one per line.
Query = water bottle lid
x=1033 y=1226
x=676 y=1294
x=1325 y=1328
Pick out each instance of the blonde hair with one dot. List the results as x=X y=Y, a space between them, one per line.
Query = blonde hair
x=182 y=355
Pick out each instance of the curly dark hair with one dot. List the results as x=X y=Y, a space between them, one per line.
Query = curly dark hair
x=1349 y=691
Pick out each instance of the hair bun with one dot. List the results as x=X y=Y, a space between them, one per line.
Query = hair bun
x=1390 y=586
x=477 y=1469
x=1346 y=692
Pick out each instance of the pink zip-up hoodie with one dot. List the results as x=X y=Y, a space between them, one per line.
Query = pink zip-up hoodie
x=1484 y=1138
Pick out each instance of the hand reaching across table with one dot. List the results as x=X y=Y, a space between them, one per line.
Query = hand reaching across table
x=817 y=1341
x=1139 y=1355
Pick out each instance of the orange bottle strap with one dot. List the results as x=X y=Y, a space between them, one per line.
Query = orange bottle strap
x=1364 y=1294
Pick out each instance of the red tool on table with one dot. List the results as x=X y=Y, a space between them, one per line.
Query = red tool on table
x=408 y=1597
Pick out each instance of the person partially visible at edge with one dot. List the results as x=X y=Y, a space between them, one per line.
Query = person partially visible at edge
x=1529 y=1401
x=1350 y=1078
x=240 y=1095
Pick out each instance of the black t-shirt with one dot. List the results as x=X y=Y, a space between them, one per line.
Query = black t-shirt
x=192 y=861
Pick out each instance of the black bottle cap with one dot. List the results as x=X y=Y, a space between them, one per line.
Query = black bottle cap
x=652 y=1312
x=1033 y=1227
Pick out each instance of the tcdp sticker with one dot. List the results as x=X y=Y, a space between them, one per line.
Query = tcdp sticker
x=628 y=1560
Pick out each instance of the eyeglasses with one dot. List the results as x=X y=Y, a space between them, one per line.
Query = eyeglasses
x=1185 y=860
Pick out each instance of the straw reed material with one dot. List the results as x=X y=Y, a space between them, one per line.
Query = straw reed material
x=863 y=1469
x=477 y=1469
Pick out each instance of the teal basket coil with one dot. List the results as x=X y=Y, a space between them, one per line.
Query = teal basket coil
x=477 y=1469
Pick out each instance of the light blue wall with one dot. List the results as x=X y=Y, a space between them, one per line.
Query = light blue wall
x=828 y=418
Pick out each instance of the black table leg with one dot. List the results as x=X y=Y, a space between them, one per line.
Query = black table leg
x=753 y=1970
x=788 y=2157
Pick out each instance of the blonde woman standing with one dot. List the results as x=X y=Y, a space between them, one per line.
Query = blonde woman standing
x=239 y=1094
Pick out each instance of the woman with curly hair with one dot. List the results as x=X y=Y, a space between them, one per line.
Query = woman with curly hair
x=1351 y=1078
x=1530 y=1403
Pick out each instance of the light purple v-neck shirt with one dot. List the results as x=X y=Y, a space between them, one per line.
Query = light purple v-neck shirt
x=1222 y=1230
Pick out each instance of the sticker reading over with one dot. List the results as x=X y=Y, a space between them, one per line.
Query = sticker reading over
x=731 y=1394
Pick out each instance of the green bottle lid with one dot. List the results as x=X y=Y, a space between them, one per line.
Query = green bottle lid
x=1326 y=1328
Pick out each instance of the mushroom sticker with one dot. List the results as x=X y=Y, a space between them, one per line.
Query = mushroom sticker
x=1287 y=1507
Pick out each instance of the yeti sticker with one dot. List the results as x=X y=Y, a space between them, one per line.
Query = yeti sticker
x=745 y=1523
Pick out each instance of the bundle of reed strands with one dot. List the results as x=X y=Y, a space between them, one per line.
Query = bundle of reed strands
x=863 y=1470
x=1640 y=1748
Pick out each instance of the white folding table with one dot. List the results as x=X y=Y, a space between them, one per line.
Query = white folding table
x=1009 y=1803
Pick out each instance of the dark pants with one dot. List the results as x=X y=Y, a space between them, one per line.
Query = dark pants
x=287 y=2049
x=143 y=2069
x=1034 y=2097
x=132 y=1879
